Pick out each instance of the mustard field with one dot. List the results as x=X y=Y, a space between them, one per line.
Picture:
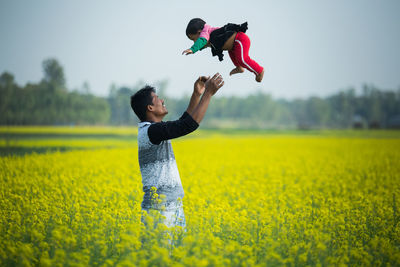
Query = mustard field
x=71 y=197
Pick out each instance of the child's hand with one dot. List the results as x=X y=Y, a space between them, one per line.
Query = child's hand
x=187 y=52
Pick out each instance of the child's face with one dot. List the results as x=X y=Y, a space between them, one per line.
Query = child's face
x=194 y=37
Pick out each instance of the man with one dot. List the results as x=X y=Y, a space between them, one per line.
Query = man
x=160 y=176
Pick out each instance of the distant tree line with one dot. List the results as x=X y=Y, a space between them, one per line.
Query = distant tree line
x=50 y=103
x=373 y=108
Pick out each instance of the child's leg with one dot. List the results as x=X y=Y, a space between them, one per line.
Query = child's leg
x=241 y=53
x=238 y=69
x=233 y=58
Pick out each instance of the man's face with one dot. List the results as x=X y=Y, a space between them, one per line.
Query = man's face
x=158 y=107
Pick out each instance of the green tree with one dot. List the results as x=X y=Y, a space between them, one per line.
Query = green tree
x=121 y=111
x=8 y=91
x=53 y=73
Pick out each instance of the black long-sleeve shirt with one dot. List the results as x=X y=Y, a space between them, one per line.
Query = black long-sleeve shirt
x=161 y=131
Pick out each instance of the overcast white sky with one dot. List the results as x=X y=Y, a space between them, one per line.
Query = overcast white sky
x=307 y=47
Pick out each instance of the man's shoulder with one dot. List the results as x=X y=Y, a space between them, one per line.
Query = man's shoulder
x=148 y=132
x=143 y=124
x=142 y=136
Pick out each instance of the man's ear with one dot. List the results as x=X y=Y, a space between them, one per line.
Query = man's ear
x=150 y=107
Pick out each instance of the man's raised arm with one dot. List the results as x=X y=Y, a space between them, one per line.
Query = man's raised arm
x=197 y=108
x=211 y=87
x=198 y=90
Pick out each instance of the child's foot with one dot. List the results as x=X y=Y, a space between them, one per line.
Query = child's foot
x=260 y=76
x=236 y=70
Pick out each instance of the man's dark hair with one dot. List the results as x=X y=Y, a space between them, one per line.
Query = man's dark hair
x=194 y=26
x=140 y=100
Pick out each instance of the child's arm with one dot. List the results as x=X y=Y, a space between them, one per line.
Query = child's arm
x=198 y=45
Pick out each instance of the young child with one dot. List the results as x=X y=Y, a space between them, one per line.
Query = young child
x=230 y=37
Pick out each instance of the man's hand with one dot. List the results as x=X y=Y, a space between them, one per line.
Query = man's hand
x=212 y=85
x=187 y=52
x=199 y=85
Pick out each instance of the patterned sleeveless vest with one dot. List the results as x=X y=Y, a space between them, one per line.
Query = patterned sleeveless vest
x=159 y=171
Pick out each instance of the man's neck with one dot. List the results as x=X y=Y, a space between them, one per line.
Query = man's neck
x=151 y=117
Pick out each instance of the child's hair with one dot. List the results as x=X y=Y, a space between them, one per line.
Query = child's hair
x=140 y=100
x=194 y=26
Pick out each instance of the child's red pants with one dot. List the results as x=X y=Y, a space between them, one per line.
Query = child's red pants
x=240 y=54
